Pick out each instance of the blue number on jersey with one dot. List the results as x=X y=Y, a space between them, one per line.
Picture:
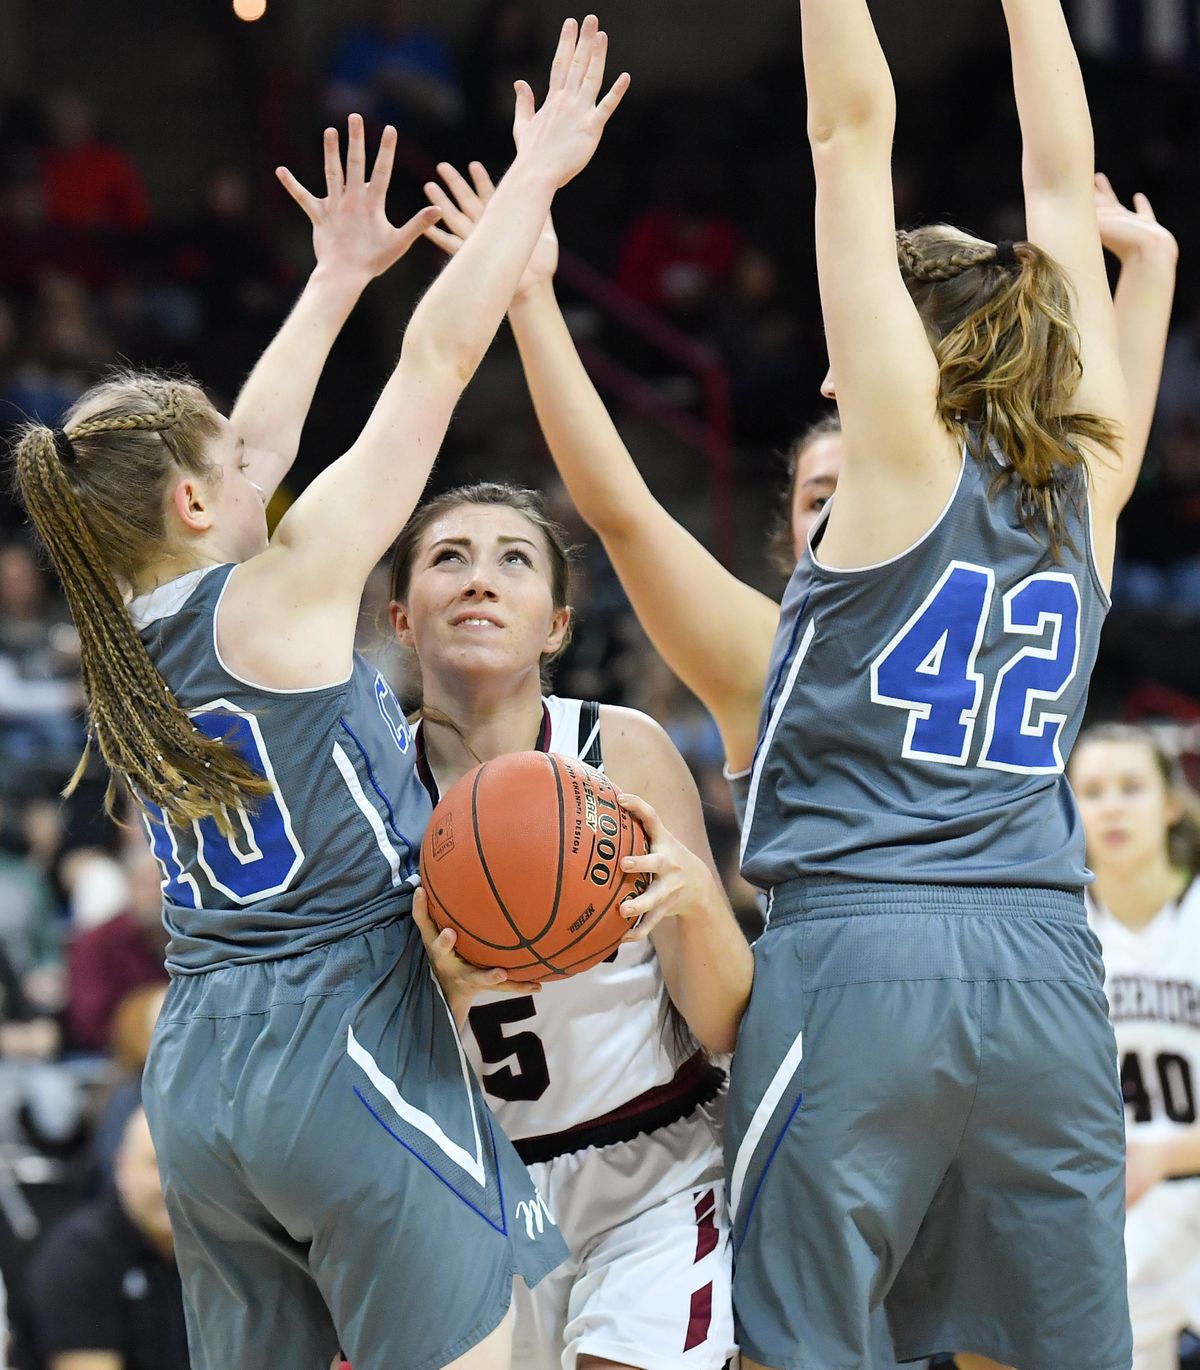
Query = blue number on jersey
x=178 y=886
x=929 y=669
x=270 y=856
x=1013 y=741
x=929 y=666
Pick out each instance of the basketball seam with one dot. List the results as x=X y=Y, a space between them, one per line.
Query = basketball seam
x=522 y=940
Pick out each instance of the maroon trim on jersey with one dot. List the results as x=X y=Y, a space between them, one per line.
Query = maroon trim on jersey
x=706 y=1225
x=696 y=1082
x=425 y=771
x=699 y=1317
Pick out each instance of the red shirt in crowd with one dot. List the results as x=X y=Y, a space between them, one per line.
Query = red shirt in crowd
x=93 y=186
x=105 y=964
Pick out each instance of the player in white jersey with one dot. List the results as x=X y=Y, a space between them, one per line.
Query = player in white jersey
x=1144 y=846
x=603 y=1081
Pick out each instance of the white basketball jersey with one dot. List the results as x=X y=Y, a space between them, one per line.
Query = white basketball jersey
x=582 y=1048
x=1152 y=978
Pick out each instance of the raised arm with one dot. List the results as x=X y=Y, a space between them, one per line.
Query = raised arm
x=883 y=367
x=714 y=632
x=1058 y=168
x=353 y=242
x=1149 y=256
x=331 y=538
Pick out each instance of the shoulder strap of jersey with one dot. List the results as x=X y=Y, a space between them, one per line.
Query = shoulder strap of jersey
x=589 y=735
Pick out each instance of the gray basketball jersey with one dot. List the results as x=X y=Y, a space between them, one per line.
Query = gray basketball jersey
x=919 y=712
x=333 y=849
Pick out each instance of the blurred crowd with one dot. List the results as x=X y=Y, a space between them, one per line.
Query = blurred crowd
x=701 y=214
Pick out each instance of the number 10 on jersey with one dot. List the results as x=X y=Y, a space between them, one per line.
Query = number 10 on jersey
x=929 y=670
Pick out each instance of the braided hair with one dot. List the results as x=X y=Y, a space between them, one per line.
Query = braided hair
x=96 y=492
x=999 y=319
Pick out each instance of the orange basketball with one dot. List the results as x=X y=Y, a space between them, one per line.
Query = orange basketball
x=523 y=859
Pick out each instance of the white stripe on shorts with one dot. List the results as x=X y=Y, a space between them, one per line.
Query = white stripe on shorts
x=758 y=1124
x=417 y=1117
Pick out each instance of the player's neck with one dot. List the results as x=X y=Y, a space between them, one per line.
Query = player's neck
x=1134 y=895
x=170 y=567
x=486 y=724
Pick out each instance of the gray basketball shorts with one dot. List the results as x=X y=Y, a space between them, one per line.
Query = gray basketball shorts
x=332 y=1172
x=925 y=1116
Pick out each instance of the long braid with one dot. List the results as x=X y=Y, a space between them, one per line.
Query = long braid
x=133 y=717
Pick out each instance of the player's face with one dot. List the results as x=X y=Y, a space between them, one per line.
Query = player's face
x=237 y=506
x=1126 y=806
x=480 y=599
x=817 y=474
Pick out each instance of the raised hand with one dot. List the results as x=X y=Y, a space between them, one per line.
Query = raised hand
x=681 y=882
x=351 y=231
x=1132 y=232
x=461 y=982
x=461 y=204
x=562 y=136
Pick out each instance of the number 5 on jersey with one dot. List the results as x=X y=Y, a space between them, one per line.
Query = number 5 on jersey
x=928 y=669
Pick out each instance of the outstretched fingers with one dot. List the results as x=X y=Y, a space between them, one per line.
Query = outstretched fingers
x=593 y=77
x=1143 y=208
x=607 y=107
x=582 y=56
x=453 y=217
x=416 y=227
x=458 y=186
x=333 y=162
x=385 y=158
x=563 y=56
x=356 y=152
x=485 y=187
x=307 y=201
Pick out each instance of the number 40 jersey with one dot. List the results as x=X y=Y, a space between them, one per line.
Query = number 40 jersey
x=919 y=712
x=1152 y=977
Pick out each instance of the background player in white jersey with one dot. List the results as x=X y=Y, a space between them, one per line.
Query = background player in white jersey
x=601 y=1086
x=1144 y=845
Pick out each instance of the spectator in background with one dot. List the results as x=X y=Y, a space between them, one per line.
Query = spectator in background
x=40 y=1102
x=29 y=926
x=222 y=254
x=88 y=183
x=395 y=73
x=31 y=245
x=678 y=253
x=63 y=346
x=759 y=339
x=106 y=963
x=41 y=695
x=104 y=1280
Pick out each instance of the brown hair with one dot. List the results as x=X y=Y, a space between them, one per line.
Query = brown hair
x=1183 y=837
x=1000 y=321
x=781 y=548
x=96 y=492
x=525 y=502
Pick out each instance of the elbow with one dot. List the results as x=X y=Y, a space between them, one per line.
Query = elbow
x=447 y=359
x=870 y=115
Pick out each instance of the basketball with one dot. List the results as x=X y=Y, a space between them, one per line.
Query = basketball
x=522 y=858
